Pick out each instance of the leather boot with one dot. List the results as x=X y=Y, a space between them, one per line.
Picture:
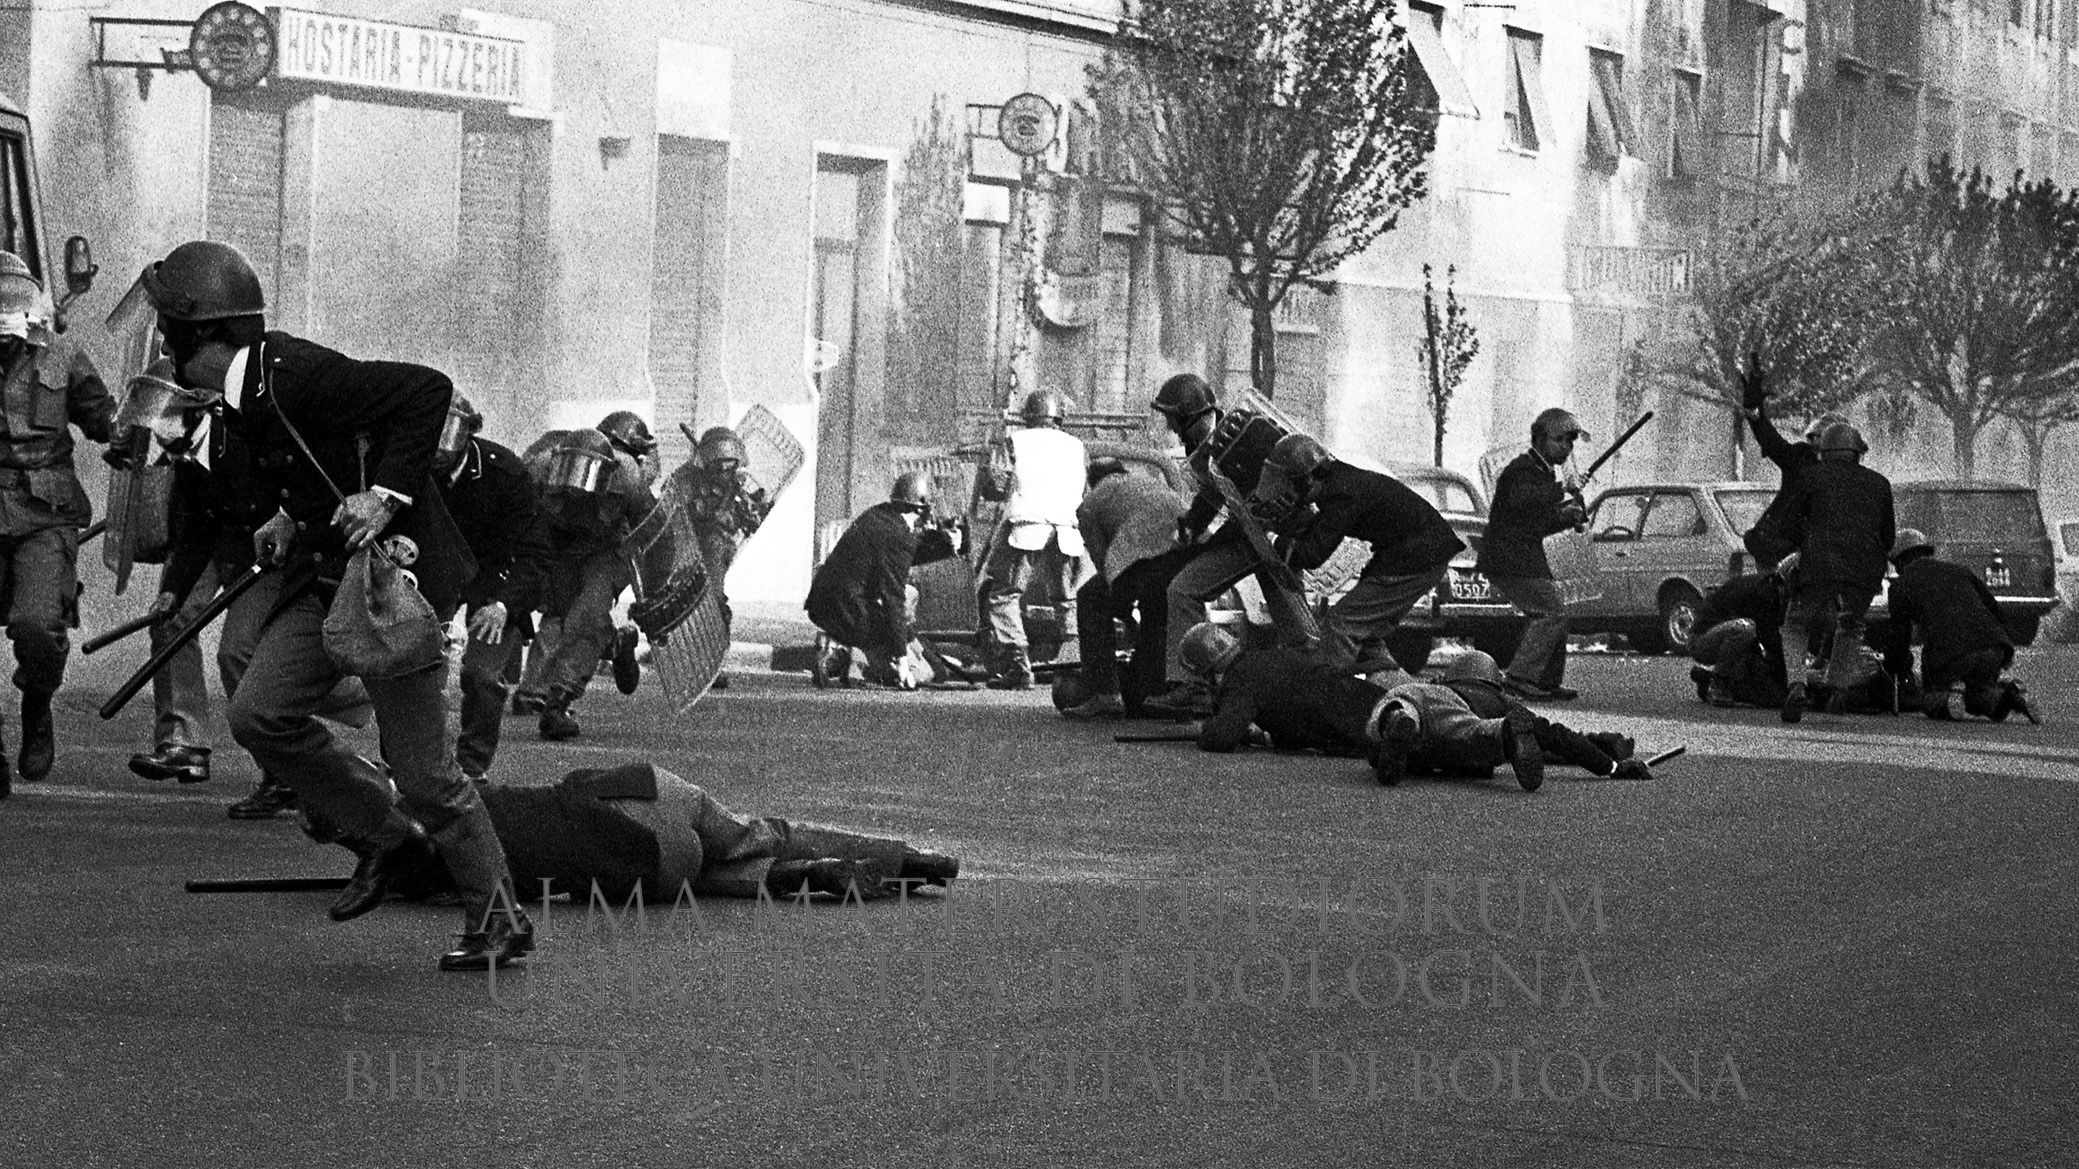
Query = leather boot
x=627 y=671
x=1526 y=757
x=494 y=928
x=39 y=737
x=1015 y=672
x=1390 y=736
x=396 y=847
x=174 y=761
x=557 y=721
x=268 y=800
x=932 y=868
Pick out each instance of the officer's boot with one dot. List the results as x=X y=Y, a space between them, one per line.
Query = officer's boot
x=557 y=721
x=1014 y=672
x=396 y=847
x=495 y=930
x=39 y=741
x=269 y=799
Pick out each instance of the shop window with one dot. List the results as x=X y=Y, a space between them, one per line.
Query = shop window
x=1523 y=92
x=1611 y=135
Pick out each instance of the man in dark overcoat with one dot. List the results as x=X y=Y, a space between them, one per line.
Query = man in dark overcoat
x=346 y=448
x=1840 y=517
x=861 y=595
x=1533 y=500
x=1963 y=636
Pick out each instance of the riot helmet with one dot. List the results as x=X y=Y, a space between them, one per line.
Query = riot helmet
x=583 y=461
x=21 y=299
x=1042 y=408
x=462 y=423
x=1184 y=397
x=1298 y=456
x=1209 y=649
x=626 y=430
x=1474 y=666
x=721 y=451
x=203 y=280
x=1910 y=540
x=913 y=491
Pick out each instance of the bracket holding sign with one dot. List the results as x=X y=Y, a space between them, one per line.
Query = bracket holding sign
x=231 y=46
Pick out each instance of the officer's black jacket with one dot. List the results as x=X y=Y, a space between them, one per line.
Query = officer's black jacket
x=1839 y=515
x=214 y=510
x=1954 y=611
x=492 y=500
x=337 y=404
x=1297 y=698
x=1406 y=533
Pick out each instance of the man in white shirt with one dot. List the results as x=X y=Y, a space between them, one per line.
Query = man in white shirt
x=1041 y=489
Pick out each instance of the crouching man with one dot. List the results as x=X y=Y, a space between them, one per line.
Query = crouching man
x=861 y=595
x=1964 y=638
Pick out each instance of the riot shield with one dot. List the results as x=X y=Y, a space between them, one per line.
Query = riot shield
x=139 y=493
x=678 y=605
x=775 y=456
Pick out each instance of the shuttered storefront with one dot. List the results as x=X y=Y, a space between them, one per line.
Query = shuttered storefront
x=245 y=181
x=488 y=306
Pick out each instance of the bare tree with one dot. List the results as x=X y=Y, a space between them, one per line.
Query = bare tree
x=1791 y=294
x=2036 y=418
x=1449 y=344
x=1283 y=135
x=1981 y=293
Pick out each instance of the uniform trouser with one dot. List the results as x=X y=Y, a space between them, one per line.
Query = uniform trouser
x=1814 y=609
x=1358 y=625
x=483 y=700
x=1008 y=573
x=39 y=579
x=348 y=702
x=1541 y=656
x=1733 y=651
x=1217 y=565
x=1979 y=671
x=719 y=852
x=1144 y=585
x=717 y=554
x=534 y=678
x=587 y=588
x=290 y=677
x=1453 y=736
x=180 y=696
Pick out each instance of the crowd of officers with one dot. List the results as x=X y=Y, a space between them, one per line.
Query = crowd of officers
x=290 y=458
x=287 y=459
x=1154 y=560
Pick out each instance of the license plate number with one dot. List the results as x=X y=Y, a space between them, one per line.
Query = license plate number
x=1998 y=578
x=1470 y=586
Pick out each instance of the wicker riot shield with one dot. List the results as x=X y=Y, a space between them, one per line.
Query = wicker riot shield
x=677 y=606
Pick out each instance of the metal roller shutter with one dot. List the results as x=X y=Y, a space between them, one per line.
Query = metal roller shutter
x=245 y=182
x=487 y=307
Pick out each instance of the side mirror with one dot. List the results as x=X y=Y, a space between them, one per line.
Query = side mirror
x=80 y=268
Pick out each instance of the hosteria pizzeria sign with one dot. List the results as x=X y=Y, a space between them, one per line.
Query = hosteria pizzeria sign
x=342 y=50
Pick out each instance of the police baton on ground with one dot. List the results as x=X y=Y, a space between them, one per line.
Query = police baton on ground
x=1665 y=756
x=265 y=884
x=174 y=644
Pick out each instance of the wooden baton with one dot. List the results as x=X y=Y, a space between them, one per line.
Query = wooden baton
x=121 y=698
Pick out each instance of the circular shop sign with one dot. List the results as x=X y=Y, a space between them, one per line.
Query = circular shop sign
x=1026 y=124
x=232 y=46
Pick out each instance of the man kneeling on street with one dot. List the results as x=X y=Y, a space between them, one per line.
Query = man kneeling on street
x=1964 y=639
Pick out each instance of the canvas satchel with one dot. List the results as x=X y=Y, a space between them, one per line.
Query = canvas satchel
x=379 y=625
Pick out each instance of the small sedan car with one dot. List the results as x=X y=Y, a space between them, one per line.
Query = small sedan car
x=1662 y=546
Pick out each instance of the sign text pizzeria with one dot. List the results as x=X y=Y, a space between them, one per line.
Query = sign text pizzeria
x=342 y=50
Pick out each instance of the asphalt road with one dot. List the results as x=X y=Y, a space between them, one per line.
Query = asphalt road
x=1844 y=943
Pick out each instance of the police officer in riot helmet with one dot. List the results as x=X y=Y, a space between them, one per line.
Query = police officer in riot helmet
x=727 y=506
x=593 y=495
x=1037 y=473
x=44 y=504
x=344 y=448
x=492 y=499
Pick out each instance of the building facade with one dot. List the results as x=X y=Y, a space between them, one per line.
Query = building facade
x=688 y=209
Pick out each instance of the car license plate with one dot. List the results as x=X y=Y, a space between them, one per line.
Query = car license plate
x=1469 y=586
x=1998 y=577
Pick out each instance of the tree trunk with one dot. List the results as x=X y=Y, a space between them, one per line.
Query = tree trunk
x=2035 y=438
x=1263 y=348
x=1435 y=361
x=1963 y=442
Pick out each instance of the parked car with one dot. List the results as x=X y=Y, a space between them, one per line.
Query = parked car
x=1997 y=531
x=1661 y=547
